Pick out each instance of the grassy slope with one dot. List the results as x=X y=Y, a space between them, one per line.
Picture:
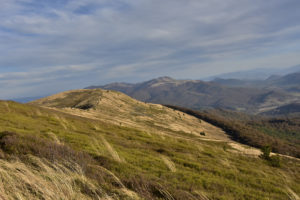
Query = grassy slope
x=286 y=127
x=280 y=133
x=153 y=165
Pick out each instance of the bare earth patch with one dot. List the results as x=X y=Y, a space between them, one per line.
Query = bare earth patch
x=245 y=149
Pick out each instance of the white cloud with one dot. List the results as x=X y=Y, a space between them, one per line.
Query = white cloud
x=108 y=40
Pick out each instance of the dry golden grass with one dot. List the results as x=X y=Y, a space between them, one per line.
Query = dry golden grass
x=119 y=109
x=43 y=180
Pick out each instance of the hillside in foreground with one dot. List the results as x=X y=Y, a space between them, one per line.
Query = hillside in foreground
x=98 y=144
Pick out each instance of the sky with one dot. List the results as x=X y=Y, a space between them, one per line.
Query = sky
x=48 y=46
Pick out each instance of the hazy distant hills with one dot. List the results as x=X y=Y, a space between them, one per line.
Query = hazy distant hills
x=251 y=96
x=259 y=74
x=26 y=99
x=290 y=80
x=286 y=81
x=291 y=109
x=234 y=94
x=193 y=94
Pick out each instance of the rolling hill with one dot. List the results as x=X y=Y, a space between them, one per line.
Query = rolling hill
x=99 y=144
x=289 y=109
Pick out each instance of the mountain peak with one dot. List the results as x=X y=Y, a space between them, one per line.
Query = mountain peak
x=164 y=79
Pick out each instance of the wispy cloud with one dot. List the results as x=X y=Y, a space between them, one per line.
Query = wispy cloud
x=97 y=41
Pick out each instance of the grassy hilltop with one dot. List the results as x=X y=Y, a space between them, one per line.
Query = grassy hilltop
x=98 y=144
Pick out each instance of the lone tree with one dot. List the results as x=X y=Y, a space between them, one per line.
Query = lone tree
x=266 y=151
x=274 y=161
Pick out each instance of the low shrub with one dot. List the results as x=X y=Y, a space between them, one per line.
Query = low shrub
x=17 y=145
x=274 y=161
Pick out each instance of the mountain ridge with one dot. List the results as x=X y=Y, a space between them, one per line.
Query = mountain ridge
x=256 y=74
x=231 y=94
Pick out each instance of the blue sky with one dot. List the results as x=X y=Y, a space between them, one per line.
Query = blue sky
x=47 y=46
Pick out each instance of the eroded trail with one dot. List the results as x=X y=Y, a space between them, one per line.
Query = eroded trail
x=244 y=149
x=7 y=107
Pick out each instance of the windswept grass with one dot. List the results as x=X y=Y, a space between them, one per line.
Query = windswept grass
x=204 y=169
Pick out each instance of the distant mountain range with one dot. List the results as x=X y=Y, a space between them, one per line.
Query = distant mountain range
x=275 y=95
x=234 y=94
x=288 y=81
x=256 y=74
x=26 y=99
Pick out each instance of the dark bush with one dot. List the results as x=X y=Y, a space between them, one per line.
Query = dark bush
x=274 y=161
x=160 y=150
x=85 y=106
